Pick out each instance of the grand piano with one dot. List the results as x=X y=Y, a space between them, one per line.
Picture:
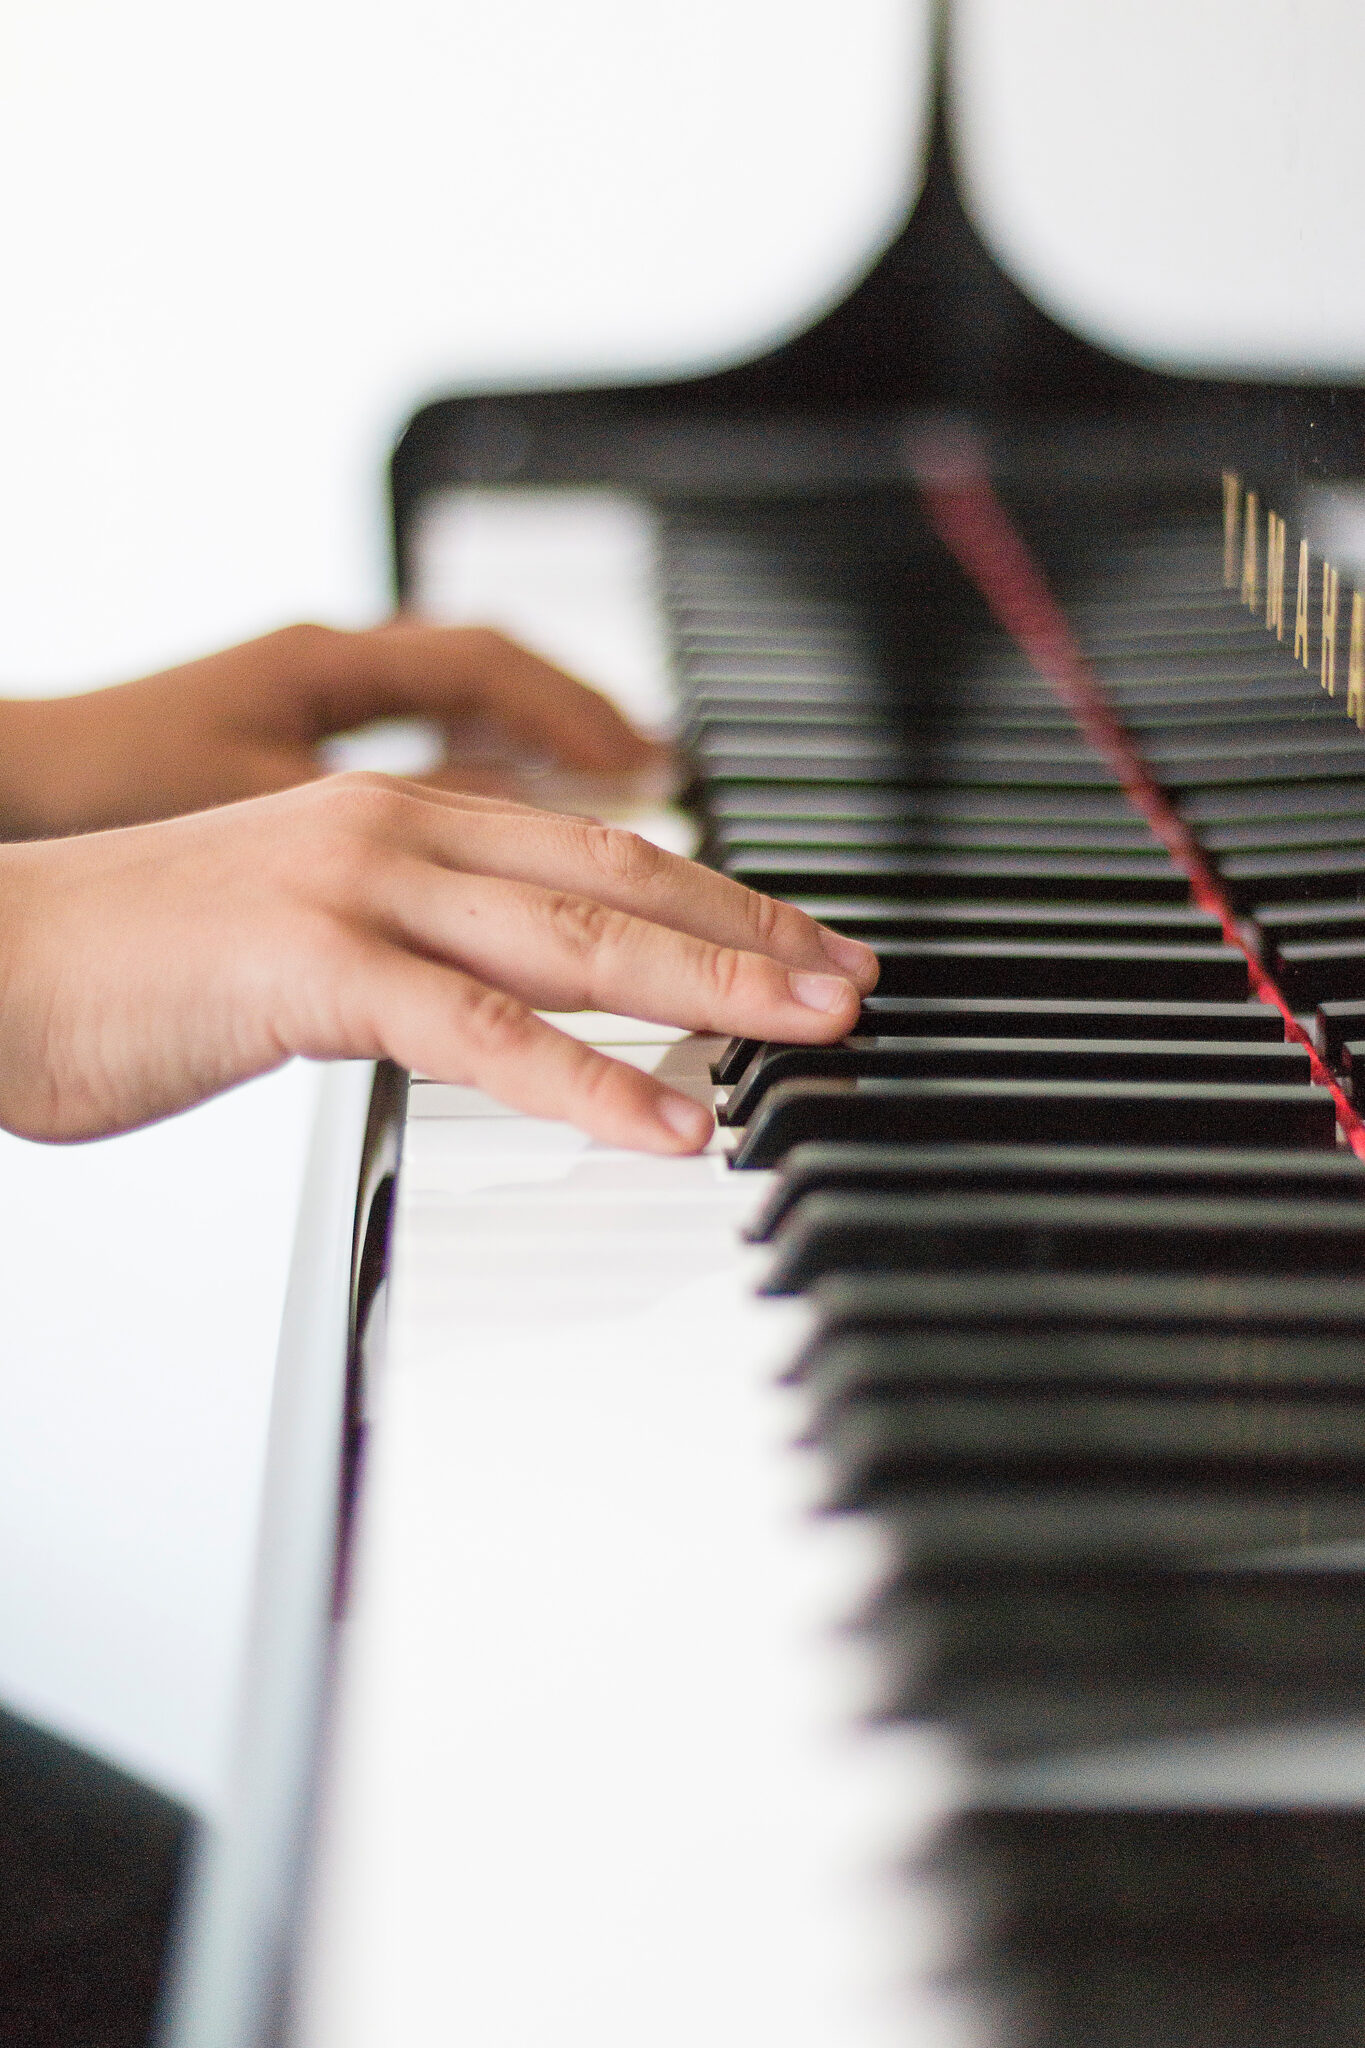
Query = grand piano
x=900 y=1577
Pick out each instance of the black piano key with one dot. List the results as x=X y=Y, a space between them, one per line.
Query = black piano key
x=1353 y=1068
x=822 y=802
x=1035 y=1017
x=877 y=1449
x=1104 y=1113
x=1059 y=971
x=875 y=720
x=1070 y=1523
x=1284 y=835
x=1014 y=1058
x=1039 y=1017
x=1029 y=1017
x=725 y=709
x=1212 y=811
x=734 y=1058
x=909 y=757
x=783 y=676
x=1139 y=1995
x=1311 y=974
x=1175 y=730
x=866 y=1233
x=872 y=918
x=1152 y=1925
x=848 y=724
x=1107 y=1875
x=886 y=1362
x=1334 y=1025
x=1309 y=923
x=740 y=838
x=1031 y=1662
x=1323 y=755
x=841 y=1168
x=1315 y=950
x=880 y=767
x=1117 y=877
x=1233 y=1307
x=1252 y=879
x=1249 y=707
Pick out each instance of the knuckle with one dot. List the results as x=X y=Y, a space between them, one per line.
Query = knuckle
x=494 y=1022
x=485 y=644
x=726 y=970
x=308 y=643
x=623 y=857
x=363 y=801
x=355 y=818
x=766 y=920
x=580 y=925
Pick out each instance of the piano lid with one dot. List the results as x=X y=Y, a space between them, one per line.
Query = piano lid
x=1062 y=350
x=1178 y=180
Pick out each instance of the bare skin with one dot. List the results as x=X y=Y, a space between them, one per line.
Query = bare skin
x=146 y=967
x=252 y=720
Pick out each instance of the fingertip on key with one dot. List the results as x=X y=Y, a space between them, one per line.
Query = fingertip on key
x=853 y=959
x=824 y=992
x=683 y=1118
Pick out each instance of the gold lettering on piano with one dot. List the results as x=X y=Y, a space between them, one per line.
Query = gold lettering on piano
x=1274 y=574
x=1250 y=553
x=1232 y=506
x=1301 y=608
x=1355 y=668
x=1329 y=629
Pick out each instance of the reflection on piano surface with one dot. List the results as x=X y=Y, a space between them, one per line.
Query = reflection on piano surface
x=899 y=1577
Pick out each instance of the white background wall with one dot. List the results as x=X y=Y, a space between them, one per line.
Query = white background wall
x=237 y=247
x=1177 y=178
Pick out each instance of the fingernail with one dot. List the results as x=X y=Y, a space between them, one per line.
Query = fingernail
x=849 y=954
x=686 y=1119
x=819 y=991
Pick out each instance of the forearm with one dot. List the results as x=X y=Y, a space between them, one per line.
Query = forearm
x=251 y=720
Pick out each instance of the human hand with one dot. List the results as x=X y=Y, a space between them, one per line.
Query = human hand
x=253 y=719
x=144 y=969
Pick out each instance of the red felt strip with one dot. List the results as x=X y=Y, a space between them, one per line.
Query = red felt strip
x=974 y=525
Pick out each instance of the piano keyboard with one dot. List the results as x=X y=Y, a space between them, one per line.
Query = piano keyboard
x=899 y=1577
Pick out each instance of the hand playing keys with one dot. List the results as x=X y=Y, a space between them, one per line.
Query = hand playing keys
x=357 y=916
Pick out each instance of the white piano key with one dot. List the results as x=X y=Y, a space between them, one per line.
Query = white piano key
x=597 y=1773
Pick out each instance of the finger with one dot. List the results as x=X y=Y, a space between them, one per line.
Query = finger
x=445 y=672
x=618 y=868
x=559 y=951
x=450 y=1026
